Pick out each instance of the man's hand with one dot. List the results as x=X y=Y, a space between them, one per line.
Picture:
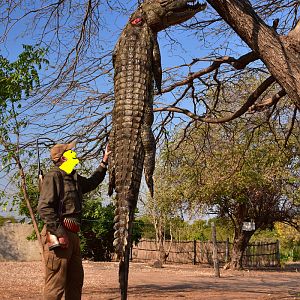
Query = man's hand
x=64 y=241
x=107 y=152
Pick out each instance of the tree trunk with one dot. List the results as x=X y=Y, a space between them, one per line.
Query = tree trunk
x=159 y=234
x=240 y=242
x=215 y=250
x=281 y=54
x=27 y=200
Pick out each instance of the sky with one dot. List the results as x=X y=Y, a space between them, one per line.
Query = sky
x=172 y=53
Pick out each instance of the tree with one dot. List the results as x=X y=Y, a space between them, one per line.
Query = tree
x=279 y=53
x=17 y=80
x=237 y=174
x=97 y=231
x=289 y=239
x=162 y=215
x=81 y=61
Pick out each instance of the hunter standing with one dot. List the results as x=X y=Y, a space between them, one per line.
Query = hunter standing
x=60 y=207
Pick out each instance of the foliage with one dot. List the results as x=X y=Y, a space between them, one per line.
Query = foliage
x=20 y=77
x=201 y=229
x=222 y=170
x=3 y=220
x=137 y=230
x=148 y=231
x=97 y=232
x=289 y=239
x=188 y=231
x=236 y=173
x=17 y=80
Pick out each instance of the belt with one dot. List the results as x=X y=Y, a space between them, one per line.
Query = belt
x=71 y=224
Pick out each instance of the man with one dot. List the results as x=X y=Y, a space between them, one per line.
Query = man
x=60 y=207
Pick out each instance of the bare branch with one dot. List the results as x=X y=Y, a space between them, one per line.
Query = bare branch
x=251 y=100
x=267 y=102
x=291 y=127
x=238 y=64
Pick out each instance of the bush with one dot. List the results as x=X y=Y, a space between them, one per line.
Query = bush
x=97 y=232
x=3 y=220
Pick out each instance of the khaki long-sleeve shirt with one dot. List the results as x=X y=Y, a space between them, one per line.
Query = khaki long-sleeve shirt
x=61 y=196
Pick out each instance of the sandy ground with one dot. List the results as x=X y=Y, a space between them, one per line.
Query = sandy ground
x=24 y=280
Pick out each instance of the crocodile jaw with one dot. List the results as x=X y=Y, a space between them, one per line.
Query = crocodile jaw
x=161 y=14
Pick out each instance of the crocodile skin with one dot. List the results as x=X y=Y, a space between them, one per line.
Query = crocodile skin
x=137 y=64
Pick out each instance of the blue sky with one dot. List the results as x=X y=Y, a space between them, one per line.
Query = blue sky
x=172 y=54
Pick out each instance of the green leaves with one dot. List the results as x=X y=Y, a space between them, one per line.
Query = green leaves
x=19 y=78
x=98 y=218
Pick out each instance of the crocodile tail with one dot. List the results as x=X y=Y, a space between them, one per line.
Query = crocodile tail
x=121 y=221
x=123 y=229
x=123 y=276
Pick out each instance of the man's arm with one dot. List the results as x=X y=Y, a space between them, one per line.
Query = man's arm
x=89 y=184
x=48 y=205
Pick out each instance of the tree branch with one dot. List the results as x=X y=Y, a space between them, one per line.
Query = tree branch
x=274 y=50
x=238 y=64
x=267 y=102
x=250 y=101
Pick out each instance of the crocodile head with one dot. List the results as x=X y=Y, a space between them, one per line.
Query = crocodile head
x=161 y=14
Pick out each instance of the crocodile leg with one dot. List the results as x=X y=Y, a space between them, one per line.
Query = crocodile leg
x=112 y=172
x=148 y=141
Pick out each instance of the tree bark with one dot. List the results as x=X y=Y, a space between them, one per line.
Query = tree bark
x=281 y=54
x=27 y=200
x=159 y=233
x=215 y=250
x=240 y=242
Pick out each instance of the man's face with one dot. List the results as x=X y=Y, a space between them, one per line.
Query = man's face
x=71 y=159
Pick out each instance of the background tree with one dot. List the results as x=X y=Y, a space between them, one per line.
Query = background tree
x=17 y=80
x=160 y=212
x=97 y=231
x=237 y=174
x=289 y=239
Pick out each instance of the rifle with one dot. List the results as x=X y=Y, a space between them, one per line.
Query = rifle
x=40 y=171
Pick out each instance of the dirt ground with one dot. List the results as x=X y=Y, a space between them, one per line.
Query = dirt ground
x=24 y=280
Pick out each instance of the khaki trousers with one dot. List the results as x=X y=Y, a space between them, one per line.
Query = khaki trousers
x=63 y=270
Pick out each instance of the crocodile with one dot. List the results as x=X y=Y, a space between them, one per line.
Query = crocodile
x=137 y=64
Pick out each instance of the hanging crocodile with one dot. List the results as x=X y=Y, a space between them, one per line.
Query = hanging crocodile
x=136 y=61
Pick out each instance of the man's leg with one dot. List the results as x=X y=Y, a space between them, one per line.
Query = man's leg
x=56 y=262
x=75 y=275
